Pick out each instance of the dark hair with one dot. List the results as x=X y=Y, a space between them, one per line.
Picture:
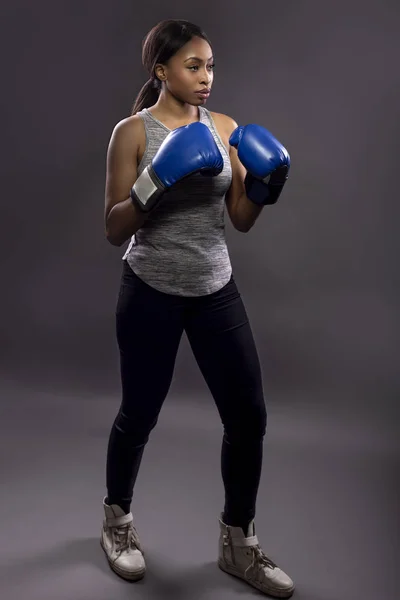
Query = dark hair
x=159 y=45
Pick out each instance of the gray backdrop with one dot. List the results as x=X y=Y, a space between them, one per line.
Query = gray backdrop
x=319 y=271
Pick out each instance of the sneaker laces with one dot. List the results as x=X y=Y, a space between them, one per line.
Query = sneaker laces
x=261 y=559
x=124 y=538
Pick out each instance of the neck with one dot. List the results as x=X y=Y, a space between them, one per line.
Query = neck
x=176 y=110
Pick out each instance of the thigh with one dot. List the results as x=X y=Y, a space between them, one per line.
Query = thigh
x=222 y=341
x=149 y=329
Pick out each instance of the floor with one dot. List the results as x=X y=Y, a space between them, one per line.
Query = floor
x=327 y=508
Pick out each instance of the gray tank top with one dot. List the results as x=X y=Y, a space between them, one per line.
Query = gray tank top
x=181 y=248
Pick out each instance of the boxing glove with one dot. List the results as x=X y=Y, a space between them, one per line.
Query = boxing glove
x=267 y=162
x=187 y=150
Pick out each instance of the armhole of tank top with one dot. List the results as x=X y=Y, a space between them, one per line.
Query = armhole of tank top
x=214 y=128
x=146 y=147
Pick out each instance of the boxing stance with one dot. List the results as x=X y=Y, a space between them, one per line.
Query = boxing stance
x=168 y=191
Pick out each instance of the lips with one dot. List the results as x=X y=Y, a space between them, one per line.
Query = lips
x=203 y=93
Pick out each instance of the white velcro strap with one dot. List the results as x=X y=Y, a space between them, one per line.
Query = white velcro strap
x=250 y=541
x=144 y=187
x=119 y=521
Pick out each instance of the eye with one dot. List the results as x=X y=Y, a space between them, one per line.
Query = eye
x=196 y=67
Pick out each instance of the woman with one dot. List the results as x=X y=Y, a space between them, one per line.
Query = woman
x=172 y=166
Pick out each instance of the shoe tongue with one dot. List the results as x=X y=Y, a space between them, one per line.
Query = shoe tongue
x=117 y=510
x=242 y=531
x=250 y=530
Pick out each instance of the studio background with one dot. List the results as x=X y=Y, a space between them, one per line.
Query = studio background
x=318 y=272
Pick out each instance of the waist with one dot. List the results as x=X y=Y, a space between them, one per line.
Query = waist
x=176 y=267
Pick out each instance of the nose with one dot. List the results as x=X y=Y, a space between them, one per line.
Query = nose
x=206 y=79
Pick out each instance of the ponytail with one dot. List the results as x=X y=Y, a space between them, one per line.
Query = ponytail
x=147 y=96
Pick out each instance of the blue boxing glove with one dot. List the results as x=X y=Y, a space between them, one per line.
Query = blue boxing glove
x=266 y=160
x=187 y=150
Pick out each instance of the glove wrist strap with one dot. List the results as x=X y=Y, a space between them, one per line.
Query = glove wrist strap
x=147 y=190
x=265 y=191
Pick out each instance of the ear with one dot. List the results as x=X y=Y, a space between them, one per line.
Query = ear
x=160 y=72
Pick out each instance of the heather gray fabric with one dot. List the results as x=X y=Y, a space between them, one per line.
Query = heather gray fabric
x=181 y=248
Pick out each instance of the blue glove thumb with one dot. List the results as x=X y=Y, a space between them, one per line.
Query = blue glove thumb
x=236 y=136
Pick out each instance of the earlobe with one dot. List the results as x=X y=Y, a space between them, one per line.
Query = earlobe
x=160 y=73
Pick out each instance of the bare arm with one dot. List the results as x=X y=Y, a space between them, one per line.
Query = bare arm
x=242 y=211
x=122 y=217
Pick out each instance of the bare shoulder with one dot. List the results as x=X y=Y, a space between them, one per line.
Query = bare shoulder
x=130 y=126
x=225 y=126
x=224 y=121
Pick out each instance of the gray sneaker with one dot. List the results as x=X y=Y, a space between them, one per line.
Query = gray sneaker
x=242 y=556
x=120 y=541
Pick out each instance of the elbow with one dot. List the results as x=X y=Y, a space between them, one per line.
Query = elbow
x=114 y=235
x=243 y=228
x=242 y=225
x=113 y=239
x=113 y=242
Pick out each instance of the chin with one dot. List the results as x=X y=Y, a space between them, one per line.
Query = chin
x=199 y=102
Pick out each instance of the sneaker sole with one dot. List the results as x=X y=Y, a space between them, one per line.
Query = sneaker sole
x=263 y=588
x=127 y=575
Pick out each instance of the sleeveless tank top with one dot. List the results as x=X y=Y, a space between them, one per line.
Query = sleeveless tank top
x=181 y=248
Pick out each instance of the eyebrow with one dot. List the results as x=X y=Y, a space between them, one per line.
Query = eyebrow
x=197 y=58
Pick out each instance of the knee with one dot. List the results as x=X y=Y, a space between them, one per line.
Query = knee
x=250 y=426
x=136 y=428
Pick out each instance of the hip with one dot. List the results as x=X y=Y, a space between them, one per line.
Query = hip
x=184 y=273
x=137 y=291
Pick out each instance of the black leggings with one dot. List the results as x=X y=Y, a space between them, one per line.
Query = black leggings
x=149 y=329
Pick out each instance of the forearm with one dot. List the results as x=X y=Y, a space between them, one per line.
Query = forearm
x=247 y=212
x=123 y=221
